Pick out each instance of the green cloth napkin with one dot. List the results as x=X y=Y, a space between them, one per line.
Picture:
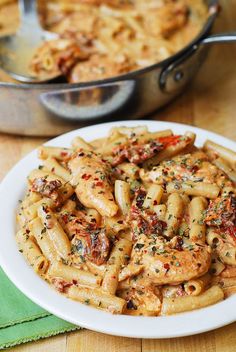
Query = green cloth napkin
x=21 y=320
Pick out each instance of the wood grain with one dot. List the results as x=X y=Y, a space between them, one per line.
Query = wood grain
x=209 y=102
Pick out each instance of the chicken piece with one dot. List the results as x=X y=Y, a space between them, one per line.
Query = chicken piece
x=161 y=260
x=89 y=240
x=221 y=212
x=174 y=15
x=97 y=67
x=56 y=57
x=92 y=245
x=169 y=262
x=46 y=188
x=136 y=153
x=90 y=176
x=188 y=167
x=144 y=221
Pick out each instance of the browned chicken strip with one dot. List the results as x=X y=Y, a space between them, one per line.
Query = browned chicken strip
x=90 y=176
x=168 y=262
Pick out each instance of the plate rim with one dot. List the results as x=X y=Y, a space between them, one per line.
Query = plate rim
x=112 y=322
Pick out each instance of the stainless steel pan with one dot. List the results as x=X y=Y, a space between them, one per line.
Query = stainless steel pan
x=50 y=109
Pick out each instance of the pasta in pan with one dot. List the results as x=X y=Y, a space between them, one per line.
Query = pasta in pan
x=106 y=38
x=138 y=223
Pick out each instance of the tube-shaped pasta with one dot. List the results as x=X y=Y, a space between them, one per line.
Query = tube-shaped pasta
x=43 y=240
x=55 y=231
x=116 y=223
x=107 y=148
x=197 y=286
x=217 y=266
x=93 y=214
x=222 y=165
x=203 y=189
x=30 y=199
x=129 y=131
x=79 y=142
x=73 y=274
x=153 y=196
x=129 y=170
x=223 y=152
x=230 y=271
x=173 y=214
x=225 y=250
x=182 y=304
x=213 y=238
x=154 y=135
x=97 y=298
x=117 y=258
x=31 y=252
x=197 y=227
x=96 y=269
x=32 y=211
x=227 y=253
x=122 y=196
x=224 y=282
x=53 y=166
x=227 y=190
x=54 y=152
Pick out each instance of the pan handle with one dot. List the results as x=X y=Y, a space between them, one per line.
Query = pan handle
x=179 y=72
x=219 y=38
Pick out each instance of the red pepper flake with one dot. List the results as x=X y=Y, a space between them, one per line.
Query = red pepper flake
x=155 y=202
x=64 y=153
x=53 y=169
x=99 y=184
x=167 y=266
x=169 y=140
x=86 y=177
x=75 y=282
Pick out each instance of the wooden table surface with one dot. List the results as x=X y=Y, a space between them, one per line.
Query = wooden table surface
x=210 y=103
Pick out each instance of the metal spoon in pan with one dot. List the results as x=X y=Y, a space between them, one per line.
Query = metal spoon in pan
x=17 y=50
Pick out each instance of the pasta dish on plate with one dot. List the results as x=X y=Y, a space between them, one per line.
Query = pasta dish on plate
x=138 y=223
x=100 y=39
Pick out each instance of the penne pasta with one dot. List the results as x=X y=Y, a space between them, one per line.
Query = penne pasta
x=153 y=196
x=74 y=275
x=221 y=164
x=55 y=232
x=53 y=166
x=54 y=152
x=122 y=196
x=117 y=258
x=97 y=298
x=44 y=242
x=196 y=211
x=200 y=189
x=79 y=142
x=223 y=152
x=197 y=286
x=182 y=304
x=31 y=252
x=173 y=214
x=107 y=229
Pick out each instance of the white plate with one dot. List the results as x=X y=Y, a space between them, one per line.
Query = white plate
x=12 y=189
